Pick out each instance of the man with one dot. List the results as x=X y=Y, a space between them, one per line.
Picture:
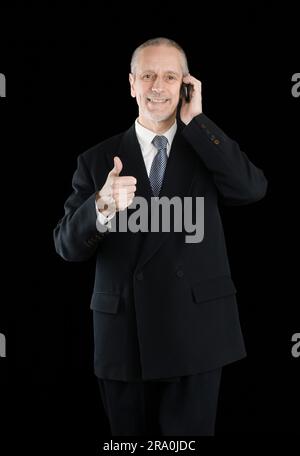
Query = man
x=164 y=309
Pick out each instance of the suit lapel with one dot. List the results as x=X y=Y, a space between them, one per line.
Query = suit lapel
x=178 y=177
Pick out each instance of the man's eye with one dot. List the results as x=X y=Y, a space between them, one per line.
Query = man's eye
x=171 y=77
x=147 y=76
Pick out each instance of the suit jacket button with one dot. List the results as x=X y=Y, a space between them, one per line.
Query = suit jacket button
x=179 y=273
x=216 y=141
x=140 y=276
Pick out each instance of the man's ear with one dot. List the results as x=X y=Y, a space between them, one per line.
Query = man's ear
x=131 y=82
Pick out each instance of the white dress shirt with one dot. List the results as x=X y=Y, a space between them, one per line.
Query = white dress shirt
x=149 y=151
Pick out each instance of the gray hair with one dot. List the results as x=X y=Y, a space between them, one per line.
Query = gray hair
x=158 y=42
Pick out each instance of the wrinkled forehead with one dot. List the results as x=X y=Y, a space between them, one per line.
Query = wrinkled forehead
x=159 y=59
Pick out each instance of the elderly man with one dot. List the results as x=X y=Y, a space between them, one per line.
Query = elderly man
x=165 y=313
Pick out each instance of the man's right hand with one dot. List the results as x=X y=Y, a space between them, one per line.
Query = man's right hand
x=118 y=191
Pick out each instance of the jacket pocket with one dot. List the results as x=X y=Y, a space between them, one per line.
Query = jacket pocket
x=213 y=288
x=105 y=302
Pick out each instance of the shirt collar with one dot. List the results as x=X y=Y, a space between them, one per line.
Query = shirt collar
x=146 y=136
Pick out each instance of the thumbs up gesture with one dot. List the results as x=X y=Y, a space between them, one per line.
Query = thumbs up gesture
x=118 y=191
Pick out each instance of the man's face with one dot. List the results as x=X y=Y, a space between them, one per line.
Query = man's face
x=156 y=84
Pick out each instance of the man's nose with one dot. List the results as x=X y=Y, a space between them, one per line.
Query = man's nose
x=157 y=85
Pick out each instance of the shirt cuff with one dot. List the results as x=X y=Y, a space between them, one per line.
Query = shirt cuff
x=102 y=219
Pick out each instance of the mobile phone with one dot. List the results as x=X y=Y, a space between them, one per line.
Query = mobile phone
x=186 y=90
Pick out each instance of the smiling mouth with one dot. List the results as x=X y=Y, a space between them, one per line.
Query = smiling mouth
x=157 y=100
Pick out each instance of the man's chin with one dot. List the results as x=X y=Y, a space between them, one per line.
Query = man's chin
x=160 y=117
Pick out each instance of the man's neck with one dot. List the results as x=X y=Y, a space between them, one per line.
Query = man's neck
x=157 y=127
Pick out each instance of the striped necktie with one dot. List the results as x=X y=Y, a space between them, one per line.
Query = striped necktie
x=159 y=163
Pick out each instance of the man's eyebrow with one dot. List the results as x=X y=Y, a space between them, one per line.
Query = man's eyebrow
x=167 y=71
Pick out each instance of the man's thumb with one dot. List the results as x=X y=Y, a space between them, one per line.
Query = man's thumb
x=117 y=167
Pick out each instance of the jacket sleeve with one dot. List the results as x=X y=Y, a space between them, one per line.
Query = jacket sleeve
x=76 y=237
x=237 y=179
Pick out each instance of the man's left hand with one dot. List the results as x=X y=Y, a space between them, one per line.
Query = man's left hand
x=194 y=107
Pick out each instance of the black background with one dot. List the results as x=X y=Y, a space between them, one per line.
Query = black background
x=67 y=89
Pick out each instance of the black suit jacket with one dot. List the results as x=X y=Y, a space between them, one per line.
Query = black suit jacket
x=162 y=307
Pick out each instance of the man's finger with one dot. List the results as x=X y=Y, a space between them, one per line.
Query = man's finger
x=123 y=189
x=123 y=181
x=117 y=167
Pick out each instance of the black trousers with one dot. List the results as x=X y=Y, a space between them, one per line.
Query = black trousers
x=185 y=407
